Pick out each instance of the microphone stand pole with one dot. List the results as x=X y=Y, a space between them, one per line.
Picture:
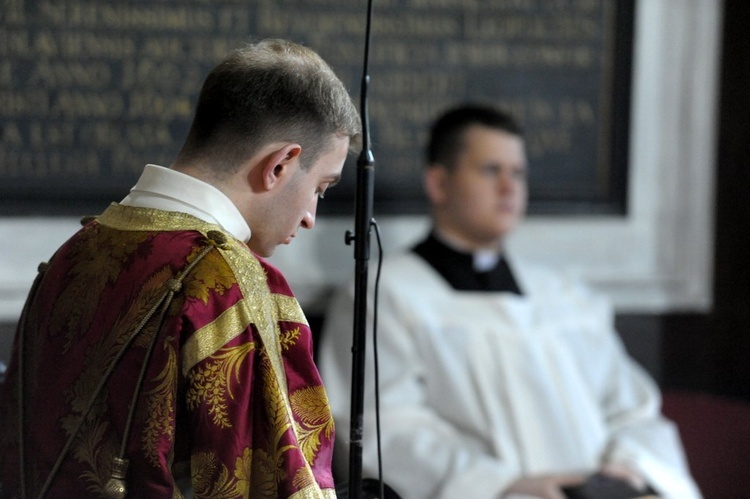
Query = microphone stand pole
x=363 y=218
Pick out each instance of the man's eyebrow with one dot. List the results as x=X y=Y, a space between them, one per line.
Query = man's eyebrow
x=333 y=180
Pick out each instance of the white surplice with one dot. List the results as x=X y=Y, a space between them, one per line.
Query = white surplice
x=479 y=388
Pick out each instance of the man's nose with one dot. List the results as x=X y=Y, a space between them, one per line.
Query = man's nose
x=308 y=220
x=504 y=182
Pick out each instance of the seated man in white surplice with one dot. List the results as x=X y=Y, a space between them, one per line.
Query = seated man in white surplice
x=498 y=378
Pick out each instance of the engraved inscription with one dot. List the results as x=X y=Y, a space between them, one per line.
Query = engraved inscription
x=90 y=91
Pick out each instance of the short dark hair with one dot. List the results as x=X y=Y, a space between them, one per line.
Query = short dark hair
x=447 y=132
x=268 y=91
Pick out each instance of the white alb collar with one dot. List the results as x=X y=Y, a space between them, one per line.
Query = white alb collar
x=166 y=189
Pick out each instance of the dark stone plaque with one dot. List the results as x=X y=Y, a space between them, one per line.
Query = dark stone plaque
x=91 y=91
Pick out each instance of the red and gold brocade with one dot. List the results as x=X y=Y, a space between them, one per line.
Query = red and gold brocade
x=231 y=391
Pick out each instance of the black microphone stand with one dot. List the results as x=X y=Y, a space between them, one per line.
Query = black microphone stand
x=363 y=217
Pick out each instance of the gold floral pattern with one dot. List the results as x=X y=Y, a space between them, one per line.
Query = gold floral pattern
x=289 y=338
x=212 y=275
x=95 y=450
x=205 y=483
x=160 y=406
x=89 y=276
x=302 y=479
x=96 y=444
x=310 y=405
x=254 y=470
x=257 y=473
x=210 y=382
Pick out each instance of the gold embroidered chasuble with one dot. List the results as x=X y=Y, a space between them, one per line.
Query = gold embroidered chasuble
x=230 y=390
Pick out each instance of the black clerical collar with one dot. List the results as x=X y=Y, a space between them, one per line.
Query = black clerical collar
x=457 y=268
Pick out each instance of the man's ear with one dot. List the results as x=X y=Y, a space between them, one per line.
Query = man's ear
x=435 y=183
x=280 y=164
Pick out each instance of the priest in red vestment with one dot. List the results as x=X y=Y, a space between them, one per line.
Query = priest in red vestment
x=158 y=351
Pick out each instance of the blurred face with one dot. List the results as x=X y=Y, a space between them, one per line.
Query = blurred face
x=484 y=197
x=295 y=203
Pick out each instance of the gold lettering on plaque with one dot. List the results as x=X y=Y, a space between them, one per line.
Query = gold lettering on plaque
x=90 y=87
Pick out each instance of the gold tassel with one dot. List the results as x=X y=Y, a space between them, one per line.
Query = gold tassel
x=115 y=487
